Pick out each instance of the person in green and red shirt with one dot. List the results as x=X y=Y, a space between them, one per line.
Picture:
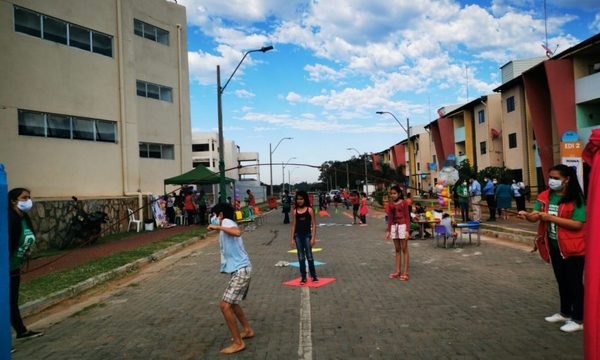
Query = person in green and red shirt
x=20 y=239
x=561 y=213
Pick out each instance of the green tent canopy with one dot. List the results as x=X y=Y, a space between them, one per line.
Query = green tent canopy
x=200 y=175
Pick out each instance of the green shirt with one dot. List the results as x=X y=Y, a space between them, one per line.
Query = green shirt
x=578 y=215
x=26 y=240
x=463 y=194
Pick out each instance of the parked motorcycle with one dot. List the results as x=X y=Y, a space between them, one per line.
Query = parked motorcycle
x=84 y=228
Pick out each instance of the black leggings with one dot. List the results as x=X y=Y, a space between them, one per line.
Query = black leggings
x=15 y=314
x=569 y=276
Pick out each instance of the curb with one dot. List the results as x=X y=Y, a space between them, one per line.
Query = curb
x=38 y=305
x=522 y=236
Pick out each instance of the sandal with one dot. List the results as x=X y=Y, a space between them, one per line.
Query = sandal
x=394 y=275
x=404 y=277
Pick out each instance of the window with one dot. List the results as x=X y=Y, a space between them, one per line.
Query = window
x=483 y=148
x=101 y=44
x=154 y=91
x=418 y=166
x=510 y=104
x=83 y=129
x=106 y=131
x=512 y=140
x=157 y=151
x=79 y=37
x=433 y=158
x=481 y=116
x=62 y=32
x=203 y=163
x=35 y=123
x=55 y=30
x=150 y=32
x=27 y=22
x=32 y=123
x=199 y=147
x=59 y=126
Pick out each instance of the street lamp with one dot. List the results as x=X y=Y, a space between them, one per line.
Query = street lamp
x=358 y=152
x=283 y=172
x=220 y=90
x=271 y=159
x=407 y=130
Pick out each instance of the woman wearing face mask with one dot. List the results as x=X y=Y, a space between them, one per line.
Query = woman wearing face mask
x=21 y=238
x=561 y=213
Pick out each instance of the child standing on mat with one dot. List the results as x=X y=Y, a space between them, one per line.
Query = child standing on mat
x=303 y=234
x=234 y=261
x=398 y=228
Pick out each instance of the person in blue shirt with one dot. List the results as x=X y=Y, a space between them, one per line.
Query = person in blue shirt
x=234 y=261
x=490 y=197
x=475 y=192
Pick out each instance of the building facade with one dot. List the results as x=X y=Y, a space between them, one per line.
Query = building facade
x=94 y=100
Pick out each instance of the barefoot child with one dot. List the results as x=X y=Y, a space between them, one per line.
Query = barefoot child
x=234 y=261
x=397 y=229
x=303 y=234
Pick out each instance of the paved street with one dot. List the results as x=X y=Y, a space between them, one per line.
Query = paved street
x=484 y=302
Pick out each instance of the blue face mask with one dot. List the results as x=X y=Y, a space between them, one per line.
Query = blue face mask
x=214 y=220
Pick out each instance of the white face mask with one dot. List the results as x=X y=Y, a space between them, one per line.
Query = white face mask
x=555 y=184
x=25 y=206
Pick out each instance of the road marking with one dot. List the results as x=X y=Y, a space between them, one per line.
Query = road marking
x=305 y=343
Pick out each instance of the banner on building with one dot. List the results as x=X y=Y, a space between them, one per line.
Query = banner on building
x=570 y=153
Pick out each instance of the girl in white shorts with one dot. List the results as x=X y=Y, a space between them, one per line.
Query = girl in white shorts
x=398 y=228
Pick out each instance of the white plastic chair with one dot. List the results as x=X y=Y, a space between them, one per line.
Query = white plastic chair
x=133 y=220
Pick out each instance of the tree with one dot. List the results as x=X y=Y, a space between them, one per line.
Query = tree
x=465 y=170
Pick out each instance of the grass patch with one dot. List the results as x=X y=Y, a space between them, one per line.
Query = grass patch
x=102 y=240
x=50 y=283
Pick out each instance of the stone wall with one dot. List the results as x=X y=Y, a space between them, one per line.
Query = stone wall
x=51 y=217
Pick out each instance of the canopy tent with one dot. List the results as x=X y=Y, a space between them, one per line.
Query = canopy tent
x=200 y=175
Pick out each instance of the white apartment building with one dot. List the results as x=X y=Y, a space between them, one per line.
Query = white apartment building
x=205 y=151
x=94 y=99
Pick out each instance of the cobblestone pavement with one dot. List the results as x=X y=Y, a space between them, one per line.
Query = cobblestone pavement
x=485 y=302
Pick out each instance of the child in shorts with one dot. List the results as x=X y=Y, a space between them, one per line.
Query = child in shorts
x=234 y=261
x=398 y=228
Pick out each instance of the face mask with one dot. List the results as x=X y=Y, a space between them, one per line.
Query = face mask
x=25 y=206
x=555 y=184
x=465 y=183
x=214 y=220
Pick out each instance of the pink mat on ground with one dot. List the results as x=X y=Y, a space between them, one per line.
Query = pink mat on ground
x=324 y=213
x=310 y=284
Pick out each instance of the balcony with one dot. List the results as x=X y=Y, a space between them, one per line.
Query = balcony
x=248 y=156
x=459 y=134
x=586 y=88
x=249 y=170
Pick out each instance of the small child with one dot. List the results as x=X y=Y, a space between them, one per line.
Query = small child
x=234 y=261
x=398 y=229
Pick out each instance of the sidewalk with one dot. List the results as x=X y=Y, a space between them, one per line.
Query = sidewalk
x=85 y=254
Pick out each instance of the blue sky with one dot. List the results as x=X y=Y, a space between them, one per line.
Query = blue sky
x=337 y=62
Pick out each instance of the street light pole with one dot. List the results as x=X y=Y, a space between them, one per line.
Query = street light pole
x=407 y=130
x=271 y=159
x=283 y=172
x=220 y=90
x=366 y=186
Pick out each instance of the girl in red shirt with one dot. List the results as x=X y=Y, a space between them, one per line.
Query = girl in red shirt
x=398 y=228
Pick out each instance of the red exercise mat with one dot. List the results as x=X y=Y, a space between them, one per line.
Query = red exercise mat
x=310 y=283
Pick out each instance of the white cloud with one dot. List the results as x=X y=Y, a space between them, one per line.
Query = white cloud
x=319 y=72
x=244 y=94
x=293 y=97
x=595 y=25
